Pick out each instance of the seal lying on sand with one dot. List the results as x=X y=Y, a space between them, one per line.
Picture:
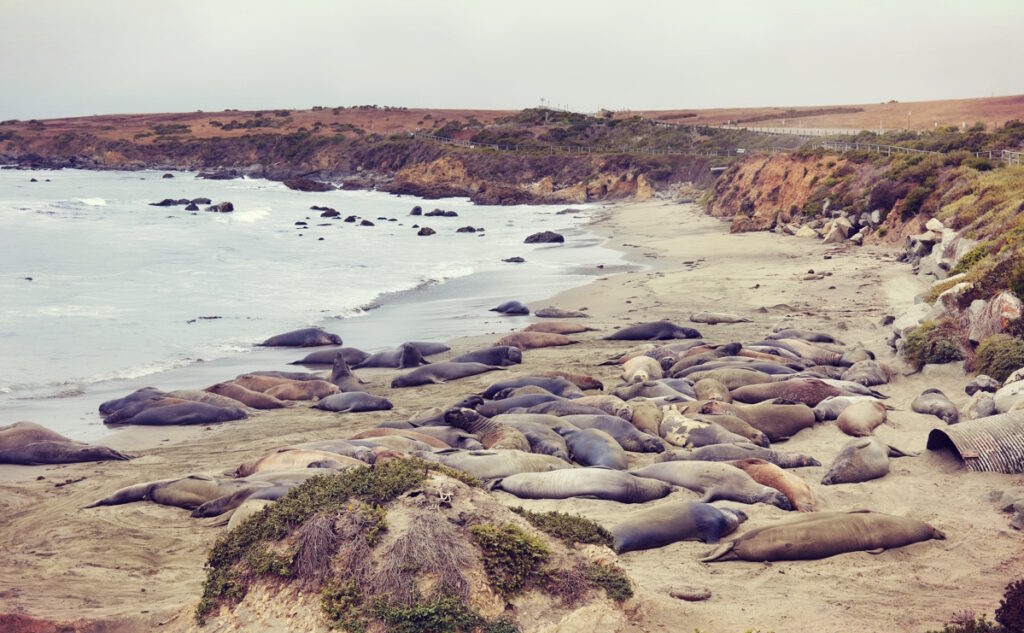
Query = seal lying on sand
x=306 y=337
x=861 y=460
x=552 y=312
x=406 y=355
x=248 y=397
x=768 y=474
x=557 y=327
x=673 y=522
x=601 y=483
x=657 y=331
x=627 y=435
x=440 y=372
x=534 y=340
x=825 y=534
x=183 y=492
x=641 y=369
x=185 y=413
x=495 y=464
x=715 y=480
x=511 y=308
x=353 y=402
x=554 y=385
x=351 y=355
x=498 y=356
x=861 y=418
x=714 y=318
x=730 y=452
x=934 y=402
x=30 y=443
x=593 y=447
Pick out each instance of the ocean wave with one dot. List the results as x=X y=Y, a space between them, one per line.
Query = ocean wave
x=92 y=202
x=247 y=215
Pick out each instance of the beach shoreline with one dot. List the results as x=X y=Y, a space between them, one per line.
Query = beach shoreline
x=141 y=564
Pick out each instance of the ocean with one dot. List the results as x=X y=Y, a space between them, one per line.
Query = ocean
x=102 y=293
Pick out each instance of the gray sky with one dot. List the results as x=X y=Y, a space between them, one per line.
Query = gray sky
x=81 y=57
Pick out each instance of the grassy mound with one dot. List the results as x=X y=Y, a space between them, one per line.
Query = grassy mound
x=405 y=546
x=933 y=343
x=1000 y=355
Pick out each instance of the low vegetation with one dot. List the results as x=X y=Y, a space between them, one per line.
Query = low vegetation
x=1009 y=616
x=567 y=528
x=1000 y=355
x=933 y=342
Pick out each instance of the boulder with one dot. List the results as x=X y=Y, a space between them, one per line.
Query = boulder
x=876 y=217
x=1015 y=376
x=366 y=223
x=858 y=238
x=350 y=218
x=805 y=231
x=934 y=225
x=426 y=231
x=192 y=206
x=167 y=176
x=223 y=207
x=330 y=213
x=514 y=260
x=221 y=174
x=201 y=201
x=999 y=312
x=308 y=184
x=417 y=210
x=544 y=237
x=466 y=229
x=984 y=383
x=981 y=405
x=910 y=319
x=949 y=299
x=834 y=235
x=1009 y=395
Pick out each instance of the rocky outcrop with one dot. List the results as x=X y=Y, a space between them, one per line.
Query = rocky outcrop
x=308 y=184
x=997 y=315
x=544 y=237
x=426 y=230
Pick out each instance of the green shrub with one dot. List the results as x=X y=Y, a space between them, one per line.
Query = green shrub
x=1000 y=355
x=566 y=527
x=612 y=579
x=1011 y=608
x=913 y=202
x=441 y=615
x=980 y=164
x=967 y=623
x=931 y=343
x=970 y=258
x=511 y=555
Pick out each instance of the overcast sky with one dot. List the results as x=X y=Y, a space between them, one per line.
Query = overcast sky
x=81 y=57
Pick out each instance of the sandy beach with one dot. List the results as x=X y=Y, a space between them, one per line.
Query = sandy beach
x=140 y=566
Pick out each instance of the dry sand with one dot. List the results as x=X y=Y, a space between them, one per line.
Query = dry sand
x=135 y=566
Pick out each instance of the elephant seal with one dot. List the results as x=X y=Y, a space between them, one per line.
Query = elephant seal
x=342 y=376
x=809 y=391
x=495 y=464
x=293 y=458
x=804 y=335
x=673 y=522
x=534 y=340
x=641 y=369
x=679 y=430
x=183 y=492
x=730 y=377
x=302 y=390
x=353 y=402
x=934 y=402
x=185 y=413
x=136 y=407
x=407 y=355
x=198 y=395
x=731 y=452
x=830 y=408
x=553 y=422
x=737 y=425
x=560 y=406
x=429 y=348
x=649 y=389
x=824 y=534
x=556 y=386
x=364 y=454
x=647 y=416
x=868 y=373
x=306 y=337
x=611 y=405
x=29 y=443
x=248 y=397
x=295 y=376
x=542 y=438
x=261 y=382
x=714 y=318
x=861 y=460
x=557 y=327
x=245 y=510
x=768 y=474
x=440 y=372
x=592 y=447
x=657 y=331
x=552 y=312
x=220 y=505
x=456 y=438
x=601 y=483
x=711 y=389
x=861 y=418
x=582 y=381
x=497 y=407
x=377 y=442
x=499 y=356
x=778 y=421
x=627 y=435
x=409 y=434
x=511 y=308
x=139 y=395
x=493 y=434
x=351 y=355
x=715 y=480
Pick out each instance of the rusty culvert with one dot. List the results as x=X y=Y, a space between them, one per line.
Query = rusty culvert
x=992 y=444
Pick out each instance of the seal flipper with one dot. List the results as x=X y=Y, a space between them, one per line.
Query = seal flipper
x=877 y=550
x=895 y=452
x=138 y=492
x=724 y=552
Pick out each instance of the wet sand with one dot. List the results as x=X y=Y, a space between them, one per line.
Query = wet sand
x=138 y=565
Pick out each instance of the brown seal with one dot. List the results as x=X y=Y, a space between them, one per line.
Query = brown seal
x=248 y=397
x=260 y=383
x=641 y=369
x=809 y=391
x=768 y=474
x=492 y=433
x=711 y=389
x=433 y=442
x=580 y=380
x=31 y=443
x=295 y=458
x=777 y=421
x=557 y=327
x=861 y=418
x=303 y=390
x=534 y=340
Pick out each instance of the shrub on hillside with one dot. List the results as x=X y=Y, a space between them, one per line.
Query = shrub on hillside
x=883 y=196
x=980 y=164
x=933 y=343
x=970 y=258
x=999 y=356
x=1011 y=608
x=913 y=202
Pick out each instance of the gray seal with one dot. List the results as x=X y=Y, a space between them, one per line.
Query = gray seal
x=601 y=483
x=185 y=413
x=591 y=447
x=306 y=337
x=499 y=355
x=353 y=402
x=29 y=443
x=352 y=356
x=405 y=356
x=860 y=460
x=440 y=372
x=672 y=522
x=511 y=308
x=715 y=480
x=732 y=452
x=627 y=435
x=542 y=438
x=555 y=385
x=934 y=402
x=526 y=401
x=657 y=331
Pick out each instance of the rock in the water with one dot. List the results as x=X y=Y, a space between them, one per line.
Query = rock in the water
x=426 y=230
x=330 y=213
x=544 y=237
x=167 y=176
x=466 y=229
x=417 y=210
x=440 y=213
x=350 y=218
x=366 y=223
x=201 y=201
x=192 y=206
x=308 y=184
x=514 y=260
x=223 y=207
